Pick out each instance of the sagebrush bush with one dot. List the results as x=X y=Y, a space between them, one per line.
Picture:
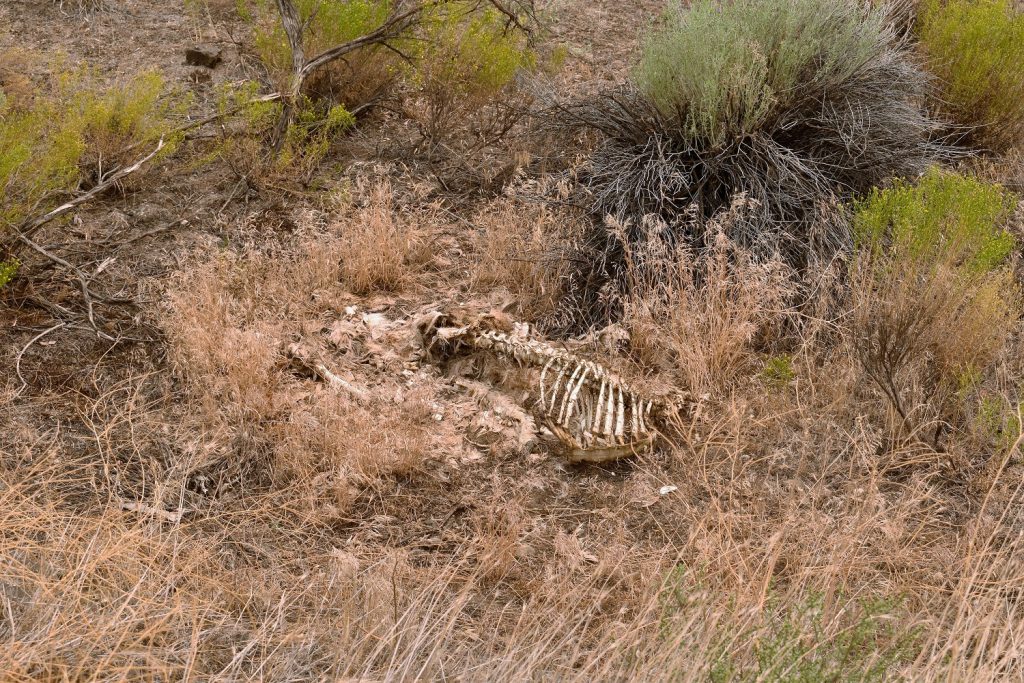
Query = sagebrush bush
x=934 y=296
x=788 y=101
x=721 y=71
x=976 y=47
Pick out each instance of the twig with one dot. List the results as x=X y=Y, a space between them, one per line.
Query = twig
x=82 y=281
x=318 y=369
x=17 y=361
x=154 y=231
x=231 y=195
x=199 y=123
x=339 y=383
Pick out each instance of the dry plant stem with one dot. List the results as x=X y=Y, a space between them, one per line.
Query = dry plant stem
x=17 y=361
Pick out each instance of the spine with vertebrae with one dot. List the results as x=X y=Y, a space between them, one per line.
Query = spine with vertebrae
x=595 y=413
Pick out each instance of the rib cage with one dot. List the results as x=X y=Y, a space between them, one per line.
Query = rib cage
x=595 y=413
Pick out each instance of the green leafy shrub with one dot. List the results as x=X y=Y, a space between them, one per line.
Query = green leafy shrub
x=246 y=145
x=453 y=62
x=8 y=269
x=326 y=23
x=778 y=371
x=74 y=133
x=720 y=71
x=934 y=294
x=463 y=59
x=115 y=123
x=976 y=47
x=789 y=103
x=943 y=218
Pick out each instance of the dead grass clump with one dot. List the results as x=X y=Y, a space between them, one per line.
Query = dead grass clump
x=700 y=317
x=379 y=248
x=329 y=443
x=272 y=422
x=514 y=243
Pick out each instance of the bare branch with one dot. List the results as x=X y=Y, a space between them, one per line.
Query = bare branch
x=28 y=229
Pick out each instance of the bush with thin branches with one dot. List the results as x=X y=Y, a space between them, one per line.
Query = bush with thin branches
x=789 y=101
x=934 y=298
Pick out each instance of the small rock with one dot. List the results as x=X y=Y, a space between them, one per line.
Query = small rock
x=665 y=490
x=203 y=55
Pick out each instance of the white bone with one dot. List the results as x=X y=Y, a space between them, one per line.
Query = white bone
x=543 y=373
x=620 y=418
x=596 y=424
x=634 y=423
x=575 y=394
x=609 y=411
x=554 y=391
x=567 y=394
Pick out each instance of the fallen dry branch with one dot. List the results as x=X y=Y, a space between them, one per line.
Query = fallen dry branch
x=23 y=234
x=17 y=360
x=29 y=228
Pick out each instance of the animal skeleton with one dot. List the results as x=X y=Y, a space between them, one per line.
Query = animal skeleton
x=595 y=413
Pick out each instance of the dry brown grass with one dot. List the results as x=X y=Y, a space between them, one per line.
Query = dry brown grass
x=340 y=535
x=924 y=334
x=231 y=517
x=219 y=511
x=515 y=245
x=380 y=248
x=366 y=539
x=701 y=317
